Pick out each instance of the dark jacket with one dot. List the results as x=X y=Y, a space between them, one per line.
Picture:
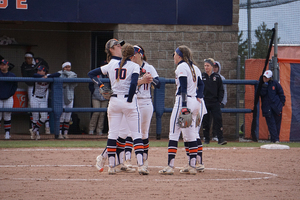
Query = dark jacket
x=213 y=88
x=272 y=98
x=29 y=70
x=7 y=88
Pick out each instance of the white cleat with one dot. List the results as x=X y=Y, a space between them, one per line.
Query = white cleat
x=143 y=170
x=200 y=167
x=111 y=171
x=37 y=137
x=32 y=134
x=146 y=163
x=167 y=171
x=127 y=163
x=120 y=167
x=7 y=136
x=188 y=170
x=47 y=130
x=60 y=136
x=66 y=136
x=100 y=161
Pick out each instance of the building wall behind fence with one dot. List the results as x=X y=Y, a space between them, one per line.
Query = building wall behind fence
x=56 y=42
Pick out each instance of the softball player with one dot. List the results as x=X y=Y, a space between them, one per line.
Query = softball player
x=39 y=100
x=148 y=78
x=7 y=90
x=123 y=78
x=199 y=161
x=68 y=99
x=28 y=69
x=187 y=96
x=113 y=49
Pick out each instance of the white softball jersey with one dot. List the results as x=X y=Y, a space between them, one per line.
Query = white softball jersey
x=183 y=69
x=144 y=91
x=122 y=86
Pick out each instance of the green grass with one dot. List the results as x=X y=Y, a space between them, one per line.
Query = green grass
x=102 y=143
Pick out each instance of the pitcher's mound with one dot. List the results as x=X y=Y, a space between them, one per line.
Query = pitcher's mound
x=274 y=146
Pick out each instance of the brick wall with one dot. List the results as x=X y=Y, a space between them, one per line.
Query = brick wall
x=160 y=41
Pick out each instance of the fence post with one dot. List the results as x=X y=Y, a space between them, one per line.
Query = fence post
x=159 y=105
x=57 y=103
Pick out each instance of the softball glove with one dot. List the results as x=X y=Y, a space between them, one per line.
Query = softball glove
x=185 y=118
x=105 y=92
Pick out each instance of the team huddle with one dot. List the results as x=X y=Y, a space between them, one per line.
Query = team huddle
x=130 y=105
x=130 y=109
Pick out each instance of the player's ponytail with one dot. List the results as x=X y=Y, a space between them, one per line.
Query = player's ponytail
x=127 y=52
x=188 y=58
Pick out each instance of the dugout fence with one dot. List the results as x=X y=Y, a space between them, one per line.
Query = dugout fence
x=55 y=108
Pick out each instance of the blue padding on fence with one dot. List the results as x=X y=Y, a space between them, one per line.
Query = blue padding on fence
x=26 y=109
x=85 y=109
x=240 y=82
x=65 y=80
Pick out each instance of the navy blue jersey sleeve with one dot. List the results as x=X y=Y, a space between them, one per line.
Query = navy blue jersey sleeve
x=36 y=75
x=54 y=75
x=183 y=87
x=156 y=82
x=93 y=75
x=200 y=88
x=133 y=84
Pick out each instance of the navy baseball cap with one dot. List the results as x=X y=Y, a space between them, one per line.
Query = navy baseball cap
x=5 y=62
x=42 y=68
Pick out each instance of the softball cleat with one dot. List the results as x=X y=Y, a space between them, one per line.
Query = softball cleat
x=167 y=171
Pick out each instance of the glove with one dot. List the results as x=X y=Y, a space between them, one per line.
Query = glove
x=198 y=120
x=105 y=92
x=185 y=118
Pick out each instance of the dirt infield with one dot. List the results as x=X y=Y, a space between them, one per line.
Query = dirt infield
x=69 y=173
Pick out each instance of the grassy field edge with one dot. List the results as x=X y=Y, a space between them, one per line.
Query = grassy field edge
x=102 y=143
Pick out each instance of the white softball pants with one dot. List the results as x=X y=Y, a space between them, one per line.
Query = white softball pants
x=146 y=112
x=39 y=103
x=119 y=107
x=188 y=134
x=66 y=116
x=8 y=103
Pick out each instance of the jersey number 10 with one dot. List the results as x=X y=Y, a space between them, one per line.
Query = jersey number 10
x=122 y=74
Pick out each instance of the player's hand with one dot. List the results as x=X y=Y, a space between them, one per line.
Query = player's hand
x=199 y=100
x=147 y=78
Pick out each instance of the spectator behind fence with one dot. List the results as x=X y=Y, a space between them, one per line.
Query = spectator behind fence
x=40 y=100
x=7 y=90
x=217 y=69
x=68 y=99
x=98 y=101
x=10 y=65
x=272 y=101
x=213 y=96
x=28 y=69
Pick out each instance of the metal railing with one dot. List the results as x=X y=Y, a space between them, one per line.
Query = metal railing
x=56 y=105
